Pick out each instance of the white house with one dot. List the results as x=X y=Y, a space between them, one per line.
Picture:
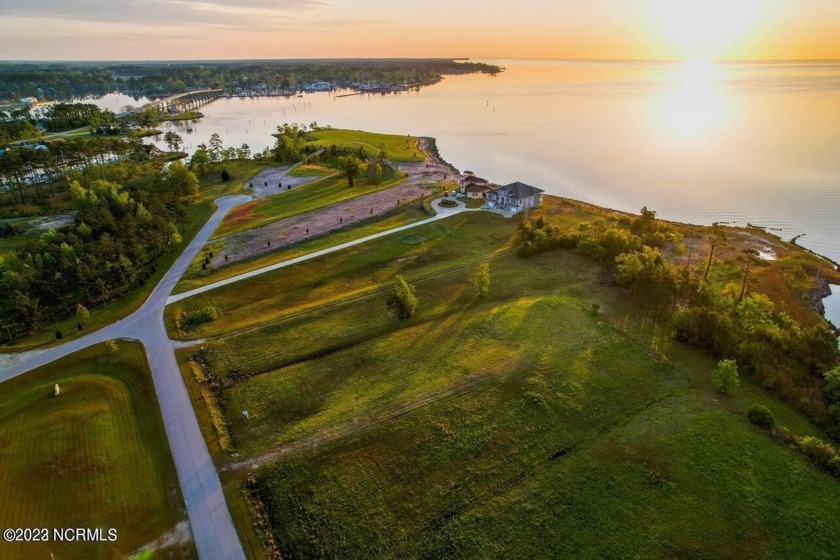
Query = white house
x=514 y=197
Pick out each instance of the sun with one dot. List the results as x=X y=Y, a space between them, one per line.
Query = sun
x=705 y=28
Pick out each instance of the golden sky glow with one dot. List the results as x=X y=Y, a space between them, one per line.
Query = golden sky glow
x=631 y=29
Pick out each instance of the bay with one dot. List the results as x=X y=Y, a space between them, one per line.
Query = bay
x=698 y=142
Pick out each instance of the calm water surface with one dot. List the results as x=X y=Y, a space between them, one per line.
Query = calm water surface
x=699 y=143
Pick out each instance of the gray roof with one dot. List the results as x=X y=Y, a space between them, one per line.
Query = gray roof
x=519 y=190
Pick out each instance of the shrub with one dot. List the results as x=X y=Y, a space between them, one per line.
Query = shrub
x=482 y=280
x=225 y=175
x=821 y=453
x=725 y=376
x=188 y=321
x=761 y=416
x=403 y=301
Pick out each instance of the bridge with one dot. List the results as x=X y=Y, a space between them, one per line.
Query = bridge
x=180 y=102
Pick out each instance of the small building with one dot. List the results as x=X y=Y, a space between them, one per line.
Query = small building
x=471 y=180
x=29 y=101
x=514 y=197
x=473 y=190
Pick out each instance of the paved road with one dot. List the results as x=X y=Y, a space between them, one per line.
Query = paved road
x=212 y=526
x=210 y=521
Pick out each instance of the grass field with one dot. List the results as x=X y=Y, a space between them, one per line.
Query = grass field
x=518 y=425
x=311 y=170
x=325 y=192
x=95 y=456
x=396 y=147
x=462 y=240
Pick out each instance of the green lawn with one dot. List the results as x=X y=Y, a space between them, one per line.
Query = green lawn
x=520 y=425
x=396 y=147
x=311 y=170
x=95 y=456
x=185 y=116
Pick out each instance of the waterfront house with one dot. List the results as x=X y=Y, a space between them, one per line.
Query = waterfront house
x=471 y=180
x=473 y=190
x=514 y=197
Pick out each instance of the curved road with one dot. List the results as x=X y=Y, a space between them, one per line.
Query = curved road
x=210 y=520
x=212 y=526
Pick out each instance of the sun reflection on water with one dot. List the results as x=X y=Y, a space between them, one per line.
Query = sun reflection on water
x=693 y=104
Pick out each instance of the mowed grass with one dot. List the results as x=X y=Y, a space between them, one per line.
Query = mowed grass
x=95 y=456
x=397 y=148
x=319 y=194
x=311 y=170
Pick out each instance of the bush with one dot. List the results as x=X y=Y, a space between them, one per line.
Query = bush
x=225 y=175
x=403 y=301
x=821 y=453
x=189 y=321
x=761 y=416
x=725 y=376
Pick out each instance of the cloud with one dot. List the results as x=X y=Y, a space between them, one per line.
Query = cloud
x=234 y=14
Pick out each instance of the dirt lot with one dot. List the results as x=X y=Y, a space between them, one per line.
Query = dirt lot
x=255 y=242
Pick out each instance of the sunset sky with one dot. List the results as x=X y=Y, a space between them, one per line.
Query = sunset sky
x=213 y=29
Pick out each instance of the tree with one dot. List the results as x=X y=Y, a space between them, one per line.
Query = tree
x=351 y=167
x=725 y=376
x=482 y=280
x=374 y=172
x=173 y=141
x=200 y=160
x=403 y=301
x=749 y=258
x=216 y=147
x=82 y=313
x=244 y=152
x=717 y=237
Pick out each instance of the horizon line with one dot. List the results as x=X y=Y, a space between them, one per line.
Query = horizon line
x=8 y=61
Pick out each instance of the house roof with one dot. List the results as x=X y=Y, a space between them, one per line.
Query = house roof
x=519 y=190
x=477 y=188
x=473 y=179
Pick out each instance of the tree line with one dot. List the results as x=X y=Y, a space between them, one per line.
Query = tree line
x=57 y=81
x=118 y=233
x=30 y=173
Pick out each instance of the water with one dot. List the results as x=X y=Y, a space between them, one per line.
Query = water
x=115 y=101
x=697 y=142
x=832 y=306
